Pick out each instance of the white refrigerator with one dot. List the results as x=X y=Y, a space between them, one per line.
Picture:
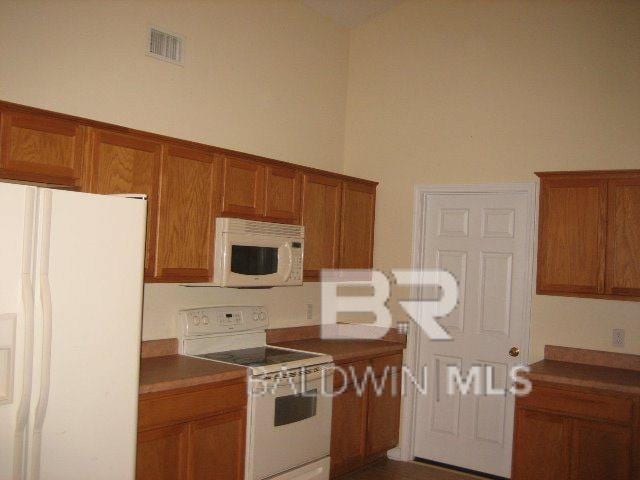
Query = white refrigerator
x=71 y=285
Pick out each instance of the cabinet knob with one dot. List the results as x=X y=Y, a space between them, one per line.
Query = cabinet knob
x=514 y=352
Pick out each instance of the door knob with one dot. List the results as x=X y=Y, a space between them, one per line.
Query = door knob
x=514 y=352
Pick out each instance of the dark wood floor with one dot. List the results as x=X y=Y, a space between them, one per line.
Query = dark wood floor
x=391 y=470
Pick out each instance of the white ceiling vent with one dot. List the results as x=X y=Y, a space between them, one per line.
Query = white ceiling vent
x=165 y=46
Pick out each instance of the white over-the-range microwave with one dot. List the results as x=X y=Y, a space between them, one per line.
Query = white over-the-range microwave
x=250 y=254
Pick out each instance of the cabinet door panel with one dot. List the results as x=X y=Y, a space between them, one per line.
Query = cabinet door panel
x=356 y=237
x=541 y=446
x=128 y=164
x=42 y=149
x=217 y=446
x=282 y=200
x=571 y=254
x=600 y=450
x=348 y=429
x=623 y=241
x=243 y=188
x=383 y=419
x=186 y=216
x=321 y=200
x=162 y=454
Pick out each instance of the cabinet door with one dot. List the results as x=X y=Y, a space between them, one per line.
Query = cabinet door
x=600 y=450
x=162 y=453
x=348 y=429
x=321 y=200
x=282 y=198
x=243 y=188
x=40 y=148
x=186 y=216
x=571 y=250
x=217 y=447
x=383 y=418
x=623 y=241
x=127 y=164
x=541 y=446
x=357 y=223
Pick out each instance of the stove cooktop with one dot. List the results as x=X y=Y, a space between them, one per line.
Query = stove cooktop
x=259 y=356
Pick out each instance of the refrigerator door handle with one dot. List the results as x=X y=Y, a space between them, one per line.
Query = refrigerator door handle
x=27 y=311
x=45 y=298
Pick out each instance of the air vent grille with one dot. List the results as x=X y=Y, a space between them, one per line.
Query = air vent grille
x=234 y=225
x=165 y=46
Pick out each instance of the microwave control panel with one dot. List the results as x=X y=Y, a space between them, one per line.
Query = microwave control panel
x=297 y=265
x=214 y=320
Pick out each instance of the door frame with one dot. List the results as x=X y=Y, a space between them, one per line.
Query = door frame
x=405 y=450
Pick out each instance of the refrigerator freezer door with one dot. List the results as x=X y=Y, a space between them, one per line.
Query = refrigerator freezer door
x=89 y=282
x=17 y=210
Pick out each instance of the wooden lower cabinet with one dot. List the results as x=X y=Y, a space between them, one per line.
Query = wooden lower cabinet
x=349 y=428
x=577 y=435
x=193 y=434
x=162 y=453
x=365 y=424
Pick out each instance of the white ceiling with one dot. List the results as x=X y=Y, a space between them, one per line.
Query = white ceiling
x=351 y=13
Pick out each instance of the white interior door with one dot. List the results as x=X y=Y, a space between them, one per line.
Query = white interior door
x=484 y=238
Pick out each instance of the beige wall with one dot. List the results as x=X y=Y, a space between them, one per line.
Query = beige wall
x=264 y=77
x=473 y=91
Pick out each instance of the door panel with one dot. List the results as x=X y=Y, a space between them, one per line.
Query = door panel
x=383 y=417
x=17 y=211
x=571 y=251
x=41 y=149
x=484 y=240
x=217 y=447
x=128 y=164
x=186 y=216
x=600 y=450
x=321 y=205
x=357 y=223
x=87 y=341
x=348 y=430
x=162 y=453
x=282 y=194
x=623 y=242
x=243 y=188
x=542 y=436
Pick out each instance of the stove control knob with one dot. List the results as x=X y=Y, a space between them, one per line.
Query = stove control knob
x=262 y=316
x=196 y=321
x=256 y=316
x=205 y=320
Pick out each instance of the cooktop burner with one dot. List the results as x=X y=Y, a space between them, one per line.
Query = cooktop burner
x=259 y=356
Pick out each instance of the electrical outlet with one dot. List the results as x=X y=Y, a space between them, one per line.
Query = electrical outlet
x=617 y=339
x=309 y=311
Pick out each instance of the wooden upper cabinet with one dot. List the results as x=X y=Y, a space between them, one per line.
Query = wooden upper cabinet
x=623 y=241
x=243 y=183
x=589 y=234
x=357 y=224
x=571 y=256
x=282 y=194
x=188 y=189
x=41 y=148
x=120 y=163
x=321 y=200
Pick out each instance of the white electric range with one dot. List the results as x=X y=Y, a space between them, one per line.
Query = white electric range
x=289 y=405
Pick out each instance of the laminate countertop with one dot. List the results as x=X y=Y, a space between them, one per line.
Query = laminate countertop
x=158 y=374
x=589 y=376
x=345 y=350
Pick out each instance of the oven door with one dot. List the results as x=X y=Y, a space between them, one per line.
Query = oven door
x=290 y=427
x=254 y=261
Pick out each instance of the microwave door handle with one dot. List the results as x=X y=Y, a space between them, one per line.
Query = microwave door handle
x=287 y=275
